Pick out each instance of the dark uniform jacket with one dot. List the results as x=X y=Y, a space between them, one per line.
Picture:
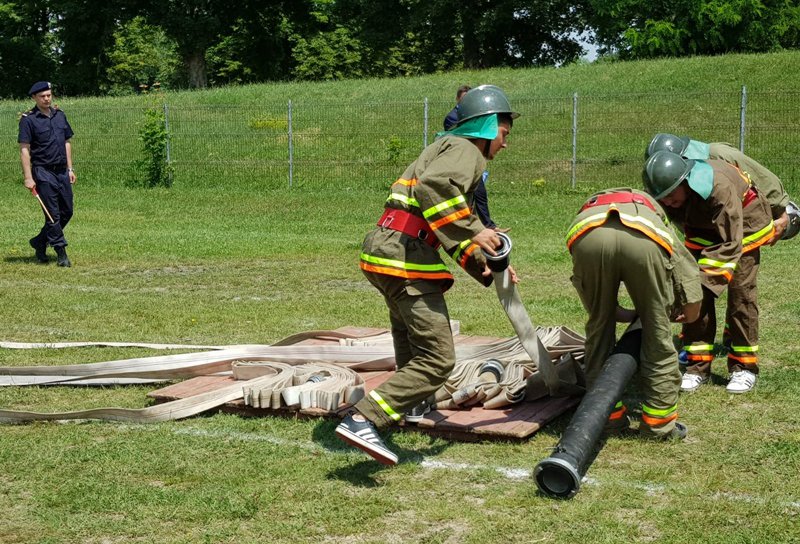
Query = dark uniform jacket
x=734 y=219
x=438 y=187
x=47 y=137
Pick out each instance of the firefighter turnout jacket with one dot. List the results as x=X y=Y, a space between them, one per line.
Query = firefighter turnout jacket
x=430 y=206
x=623 y=236
x=765 y=181
x=725 y=233
x=734 y=219
x=638 y=210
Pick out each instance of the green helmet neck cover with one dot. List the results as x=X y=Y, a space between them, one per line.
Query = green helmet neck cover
x=701 y=178
x=697 y=150
x=484 y=127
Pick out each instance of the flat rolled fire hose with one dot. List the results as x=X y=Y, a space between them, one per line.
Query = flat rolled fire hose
x=520 y=320
x=176 y=409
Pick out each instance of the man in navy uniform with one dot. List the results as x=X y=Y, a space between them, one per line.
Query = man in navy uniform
x=46 y=155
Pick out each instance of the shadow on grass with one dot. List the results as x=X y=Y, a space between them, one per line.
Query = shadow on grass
x=362 y=473
x=23 y=259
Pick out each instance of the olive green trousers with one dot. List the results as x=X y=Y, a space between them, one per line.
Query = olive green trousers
x=423 y=347
x=603 y=259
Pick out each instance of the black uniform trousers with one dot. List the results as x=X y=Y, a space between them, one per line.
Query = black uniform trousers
x=55 y=190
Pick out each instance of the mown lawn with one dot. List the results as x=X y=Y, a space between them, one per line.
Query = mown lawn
x=229 y=265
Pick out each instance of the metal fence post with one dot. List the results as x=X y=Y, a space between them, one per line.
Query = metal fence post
x=742 y=113
x=167 y=144
x=291 y=147
x=574 y=138
x=425 y=125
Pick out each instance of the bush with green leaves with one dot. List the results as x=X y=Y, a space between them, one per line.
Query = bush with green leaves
x=154 y=170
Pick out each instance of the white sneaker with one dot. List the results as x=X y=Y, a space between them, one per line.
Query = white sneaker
x=741 y=381
x=692 y=382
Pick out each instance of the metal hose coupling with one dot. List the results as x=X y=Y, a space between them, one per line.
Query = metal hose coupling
x=495 y=367
x=500 y=261
x=793 y=211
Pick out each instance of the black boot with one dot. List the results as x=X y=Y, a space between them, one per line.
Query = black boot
x=63 y=260
x=40 y=248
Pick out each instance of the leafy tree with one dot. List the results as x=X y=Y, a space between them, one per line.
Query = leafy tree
x=328 y=55
x=434 y=35
x=84 y=31
x=652 y=28
x=142 y=55
x=24 y=46
x=255 y=48
x=194 y=25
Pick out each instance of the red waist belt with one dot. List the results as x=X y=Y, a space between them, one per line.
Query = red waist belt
x=617 y=198
x=749 y=196
x=408 y=223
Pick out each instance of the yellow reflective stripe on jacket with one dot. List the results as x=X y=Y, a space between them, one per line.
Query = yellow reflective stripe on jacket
x=636 y=222
x=700 y=241
x=402 y=264
x=399 y=269
x=460 y=199
x=757 y=239
x=407 y=200
x=647 y=223
x=584 y=225
x=716 y=264
x=699 y=347
x=469 y=251
x=745 y=349
x=463 y=245
x=386 y=408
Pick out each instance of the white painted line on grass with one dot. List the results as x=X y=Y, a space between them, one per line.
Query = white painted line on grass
x=515 y=474
x=510 y=473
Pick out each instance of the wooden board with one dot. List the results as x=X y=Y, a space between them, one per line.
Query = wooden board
x=516 y=422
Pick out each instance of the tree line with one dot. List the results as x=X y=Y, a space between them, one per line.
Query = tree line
x=125 y=46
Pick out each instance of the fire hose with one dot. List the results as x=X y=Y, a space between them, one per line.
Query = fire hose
x=509 y=298
x=559 y=476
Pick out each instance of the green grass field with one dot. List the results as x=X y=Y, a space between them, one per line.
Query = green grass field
x=232 y=262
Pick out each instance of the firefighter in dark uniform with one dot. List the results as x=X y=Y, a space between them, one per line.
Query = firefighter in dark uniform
x=725 y=220
x=622 y=236
x=46 y=156
x=429 y=206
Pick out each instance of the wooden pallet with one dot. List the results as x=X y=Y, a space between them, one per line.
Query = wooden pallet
x=516 y=422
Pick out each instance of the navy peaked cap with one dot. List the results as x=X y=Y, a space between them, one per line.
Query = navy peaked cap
x=40 y=86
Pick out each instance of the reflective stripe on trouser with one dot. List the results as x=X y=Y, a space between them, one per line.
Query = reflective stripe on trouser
x=55 y=190
x=602 y=259
x=618 y=420
x=655 y=420
x=741 y=320
x=742 y=314
x=423 y=345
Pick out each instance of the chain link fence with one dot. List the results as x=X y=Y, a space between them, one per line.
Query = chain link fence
x=563 y=141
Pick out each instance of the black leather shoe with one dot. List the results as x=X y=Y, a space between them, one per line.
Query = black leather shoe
x=40 y=249
x=63 y=260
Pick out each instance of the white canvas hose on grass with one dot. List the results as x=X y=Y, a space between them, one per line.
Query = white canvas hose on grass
x=280 y=375
x=339 y=362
